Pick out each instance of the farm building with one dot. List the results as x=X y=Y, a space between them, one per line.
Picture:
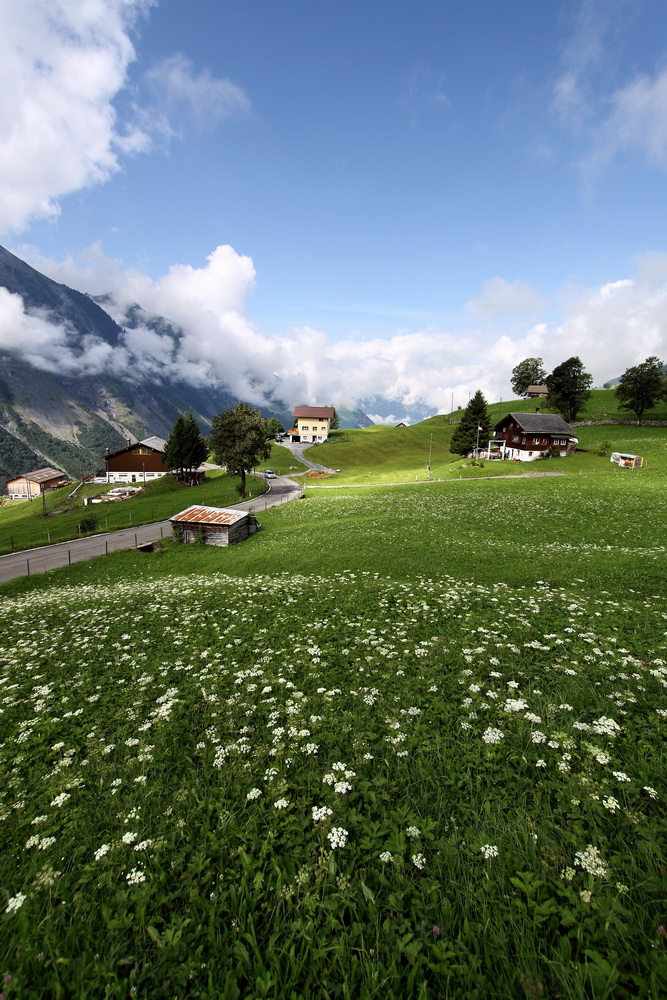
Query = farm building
x=311 y=423
x=33 y=484
x=536 y=391
x=213 y=525
x=138 y=462
x=527 y=436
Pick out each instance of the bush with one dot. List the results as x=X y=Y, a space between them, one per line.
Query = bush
x=88 y=523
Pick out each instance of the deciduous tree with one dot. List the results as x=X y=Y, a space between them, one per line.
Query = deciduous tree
x=569 y=388
x=641 y=387
x=473 y=426
x=530 y=371
x=239 y=440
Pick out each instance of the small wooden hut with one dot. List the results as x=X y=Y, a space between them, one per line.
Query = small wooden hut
x=213 y=525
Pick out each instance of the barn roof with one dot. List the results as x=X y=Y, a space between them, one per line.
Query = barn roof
x=209 y=515
x=40 y=475
x=538 y=423
x=314 y=411
x=542 y=389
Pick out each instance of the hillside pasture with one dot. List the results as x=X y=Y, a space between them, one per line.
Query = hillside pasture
x=403 y=742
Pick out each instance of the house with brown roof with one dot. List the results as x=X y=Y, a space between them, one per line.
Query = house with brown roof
x=311 y=423
x=32 y=484
x=536 y=391
x=138 y=462
x=527 y=436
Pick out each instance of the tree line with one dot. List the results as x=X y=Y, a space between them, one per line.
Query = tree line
x=639 y=389
x=239 y=439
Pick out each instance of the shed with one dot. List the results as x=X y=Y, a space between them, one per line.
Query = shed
x=214 y=525
x=33 y=484
x=535 y=391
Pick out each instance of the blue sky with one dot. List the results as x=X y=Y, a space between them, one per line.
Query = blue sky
x=416 y=196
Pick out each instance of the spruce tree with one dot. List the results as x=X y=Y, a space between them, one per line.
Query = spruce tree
x=475 y=421
x=186 y=446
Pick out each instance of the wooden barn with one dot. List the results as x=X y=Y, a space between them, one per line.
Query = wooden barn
x=33 y=484
x=138 y=462
x=213 y=525
x=526 y=436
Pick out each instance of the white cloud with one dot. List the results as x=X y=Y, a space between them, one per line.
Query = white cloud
x=610 y=328
x=508 y=299
x=180 y=96
x=637 y=121
x=61 y=64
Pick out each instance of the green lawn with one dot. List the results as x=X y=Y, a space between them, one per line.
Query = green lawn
x=22 y=525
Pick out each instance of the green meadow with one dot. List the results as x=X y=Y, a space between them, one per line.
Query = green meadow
x=23 y=525
x=406 y=741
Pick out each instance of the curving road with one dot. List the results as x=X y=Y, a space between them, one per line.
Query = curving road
x=29 y=561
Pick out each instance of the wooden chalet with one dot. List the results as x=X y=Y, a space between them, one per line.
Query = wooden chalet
x=213 y=525
x=311 y=423
x=537 y=391
x=138 y=462
x=32 y=484
x=526 y=436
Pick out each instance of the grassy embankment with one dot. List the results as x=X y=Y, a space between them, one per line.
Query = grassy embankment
x=402 y=742
x=384 y=454
x=23 y=525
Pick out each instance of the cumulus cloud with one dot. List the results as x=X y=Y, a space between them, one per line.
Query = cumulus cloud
x=216 y=343
x=63 y=66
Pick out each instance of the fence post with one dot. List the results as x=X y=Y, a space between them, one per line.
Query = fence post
x=106 y=547
x=135 y=540
x=69 y=556
x=161 y=536
x=27 y=562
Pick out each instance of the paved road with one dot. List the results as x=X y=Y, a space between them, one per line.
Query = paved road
x=29 y=561
x=297 y=448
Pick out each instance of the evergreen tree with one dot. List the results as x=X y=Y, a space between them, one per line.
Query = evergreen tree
x=335 y=422
x=186 y=446
x=474 y=426
x=239 y=440
x=528 y=372
x=569 y=388
x=641 y=387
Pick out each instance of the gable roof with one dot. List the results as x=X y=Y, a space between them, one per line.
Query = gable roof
x=326 y=412
x=538 y=423
x=40 y=475
x=156 y=443
x=209 y=515
x=542 y=389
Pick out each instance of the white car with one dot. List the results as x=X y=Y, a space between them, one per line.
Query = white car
x=269 y=475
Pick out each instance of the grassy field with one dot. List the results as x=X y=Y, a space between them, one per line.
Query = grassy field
x=404 y=742
x=23 y=525
x=386 y=454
